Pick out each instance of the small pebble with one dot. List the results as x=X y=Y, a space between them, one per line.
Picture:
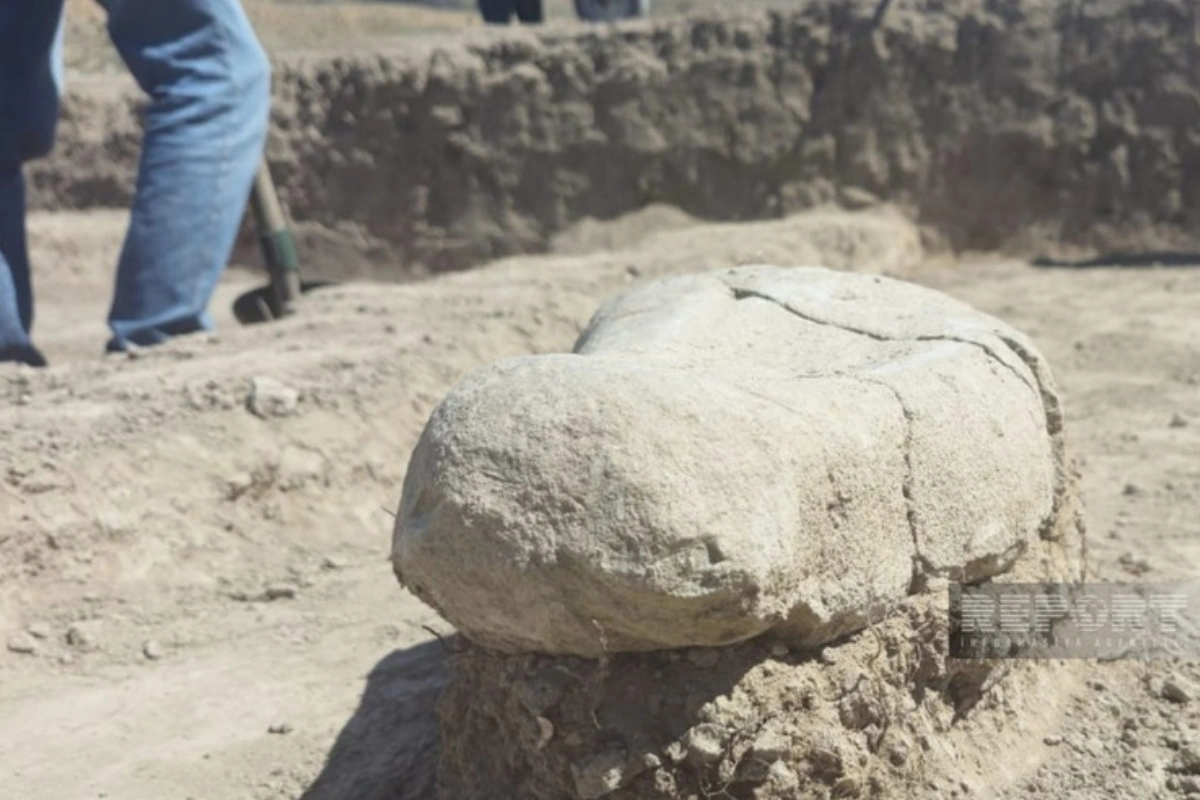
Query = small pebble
x=1178 y=421
x=81 y=637
x=1133 y=564
x=779 y=650
x=23 y=644
x=545 y=732
x=40 y=630
x=1053 y=740
x=1176 y=691
x=280 y=591
x=152 y=650
x=705 y=743
x=1189 y=760
x=281 y=728
x=270 y=398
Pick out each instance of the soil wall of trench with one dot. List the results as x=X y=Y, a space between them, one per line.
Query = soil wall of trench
x=1021 y=125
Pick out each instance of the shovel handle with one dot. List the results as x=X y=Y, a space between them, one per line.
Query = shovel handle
x=278 y=246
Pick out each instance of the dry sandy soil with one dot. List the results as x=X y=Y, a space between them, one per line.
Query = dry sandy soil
x=195 y=596
x=206 y=592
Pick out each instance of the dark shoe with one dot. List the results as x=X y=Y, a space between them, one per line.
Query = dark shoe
x=27 y=354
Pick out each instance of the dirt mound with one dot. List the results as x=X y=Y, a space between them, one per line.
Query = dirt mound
x=996 y=123
x=885 y=714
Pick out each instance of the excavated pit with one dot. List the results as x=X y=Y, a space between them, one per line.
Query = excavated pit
x=1024 y=126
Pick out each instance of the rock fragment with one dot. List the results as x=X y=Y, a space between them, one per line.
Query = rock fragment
x=22 y=644
x=599 y=775
x=83 y=636
x=1177 y=691
x=40 y=630
x=269 y=398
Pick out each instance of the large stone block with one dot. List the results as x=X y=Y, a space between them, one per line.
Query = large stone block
x=730 y=453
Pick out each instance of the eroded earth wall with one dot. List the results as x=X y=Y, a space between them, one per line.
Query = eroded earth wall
x=997 y=123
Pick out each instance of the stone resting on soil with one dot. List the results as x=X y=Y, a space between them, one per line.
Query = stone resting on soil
x=725 y=454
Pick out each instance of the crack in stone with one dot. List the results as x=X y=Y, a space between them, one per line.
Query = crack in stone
x=923 y=568
x=921 y=565
x=1051 y=408
x=742 y=294
x=1051 y=413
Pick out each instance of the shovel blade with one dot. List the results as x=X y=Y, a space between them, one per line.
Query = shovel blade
x=262 y=304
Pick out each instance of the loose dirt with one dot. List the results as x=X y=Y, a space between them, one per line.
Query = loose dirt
x=195 y=597
x=144 y=503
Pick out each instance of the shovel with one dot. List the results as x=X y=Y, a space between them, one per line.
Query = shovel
x=277 y=299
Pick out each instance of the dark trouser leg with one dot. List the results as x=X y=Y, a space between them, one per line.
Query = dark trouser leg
x=496 y=12
x=529 y=11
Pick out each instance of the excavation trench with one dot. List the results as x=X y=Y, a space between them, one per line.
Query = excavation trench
x=1024 y=126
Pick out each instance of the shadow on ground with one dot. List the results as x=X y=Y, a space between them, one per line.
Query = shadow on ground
x=1160 y=258
x=389 y=749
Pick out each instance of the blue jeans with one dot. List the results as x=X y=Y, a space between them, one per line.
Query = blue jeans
x=209 y=86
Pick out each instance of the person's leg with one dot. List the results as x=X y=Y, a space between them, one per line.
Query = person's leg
x=529 y=11
x=16 y=293
x=209 y=84
x=496 y=12
x=30 y=77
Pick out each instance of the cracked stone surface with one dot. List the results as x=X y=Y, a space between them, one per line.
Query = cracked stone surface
x=730 y=453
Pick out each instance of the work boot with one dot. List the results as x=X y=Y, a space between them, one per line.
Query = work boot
x=28 y=355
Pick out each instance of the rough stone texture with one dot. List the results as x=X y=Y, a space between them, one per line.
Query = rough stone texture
x=1016 y=123
x=730 y=453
